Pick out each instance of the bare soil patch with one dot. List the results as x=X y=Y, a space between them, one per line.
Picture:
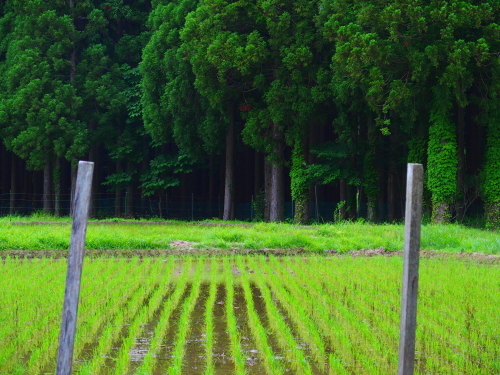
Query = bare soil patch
x=481 y=257
x=180 y=247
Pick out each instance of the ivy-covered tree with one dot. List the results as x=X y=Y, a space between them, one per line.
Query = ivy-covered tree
x=490 y=118
x=397 y=53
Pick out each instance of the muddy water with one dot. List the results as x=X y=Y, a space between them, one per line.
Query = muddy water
x=194 y=361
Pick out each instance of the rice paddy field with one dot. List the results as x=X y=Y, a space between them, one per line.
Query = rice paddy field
x=250 y=314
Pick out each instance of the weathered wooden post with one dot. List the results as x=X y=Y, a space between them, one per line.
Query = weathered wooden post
x=413 y=218
x=74 y=273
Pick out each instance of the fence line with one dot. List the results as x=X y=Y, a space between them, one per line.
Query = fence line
x=105 y=205
x=188 y=207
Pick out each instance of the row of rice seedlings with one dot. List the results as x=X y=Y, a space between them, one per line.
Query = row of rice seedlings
x=281 y=329
x=300 y=305
x=304 y=325
x=232 y=326
x=347 y=336
x=43 y=354
x=137 y=326
x=28 y=311
x=103 y=300
x=378 y=324
x=93 y=294
x=23 y=285
x=122 y=360
x=322 y=313
x=209 y=320
x=34 y=320
x=378 y=334
x=454 y=289
x=122 y=310
x=113 y=330
x=150 y=358
x=43 y=342
x=467 y=288
x=468 y=344
x=184 y=323
x=437 y=332
x=108 y=304
x=443 y=344
x=271 y=363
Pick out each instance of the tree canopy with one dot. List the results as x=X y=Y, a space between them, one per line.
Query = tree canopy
x=284 y=101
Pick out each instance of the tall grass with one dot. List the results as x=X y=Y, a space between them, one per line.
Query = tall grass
x=340 y=237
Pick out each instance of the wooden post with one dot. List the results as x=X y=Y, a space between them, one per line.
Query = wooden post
x=74 y=273
x=413 y=217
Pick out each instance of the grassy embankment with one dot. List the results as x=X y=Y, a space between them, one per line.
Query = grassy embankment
x=54 y=234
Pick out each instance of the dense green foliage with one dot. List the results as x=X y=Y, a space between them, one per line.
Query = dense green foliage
x=185 y=98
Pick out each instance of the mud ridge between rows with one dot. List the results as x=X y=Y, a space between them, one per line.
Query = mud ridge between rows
x=188 y=248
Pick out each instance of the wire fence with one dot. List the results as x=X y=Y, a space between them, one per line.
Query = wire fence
x=169 y=207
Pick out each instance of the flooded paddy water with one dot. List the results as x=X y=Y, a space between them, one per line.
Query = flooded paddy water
x=250 y=314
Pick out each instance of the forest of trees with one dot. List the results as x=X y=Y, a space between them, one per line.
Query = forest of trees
x=282 y=103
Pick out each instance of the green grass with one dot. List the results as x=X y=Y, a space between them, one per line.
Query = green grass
x=218 y=235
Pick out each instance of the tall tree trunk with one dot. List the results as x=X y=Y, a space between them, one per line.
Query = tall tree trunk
x=391 y=191
x=276 y=194
x=343 y=199
x=5 y=171
x=118 y=192
x=442 y=156
x=370 y=171
x=276 y=204
x=160 y=211
x=267 y=188
x=13 y=185
x=211 y=185
x=72 y=76
x=144 y=167
x=220 y=187
x=36 y=188
x=47 y=187
x=352 y=192
x=491 y=168
x=460 y=209
x=362 y=202
x=256 y=178
x=228 y=213
x=74 y=172
x=93 y=157
x=311 y=159
x=299 y=182
x=27 y=188
x=129 y=194
x=370 y=211
x=57 y=187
